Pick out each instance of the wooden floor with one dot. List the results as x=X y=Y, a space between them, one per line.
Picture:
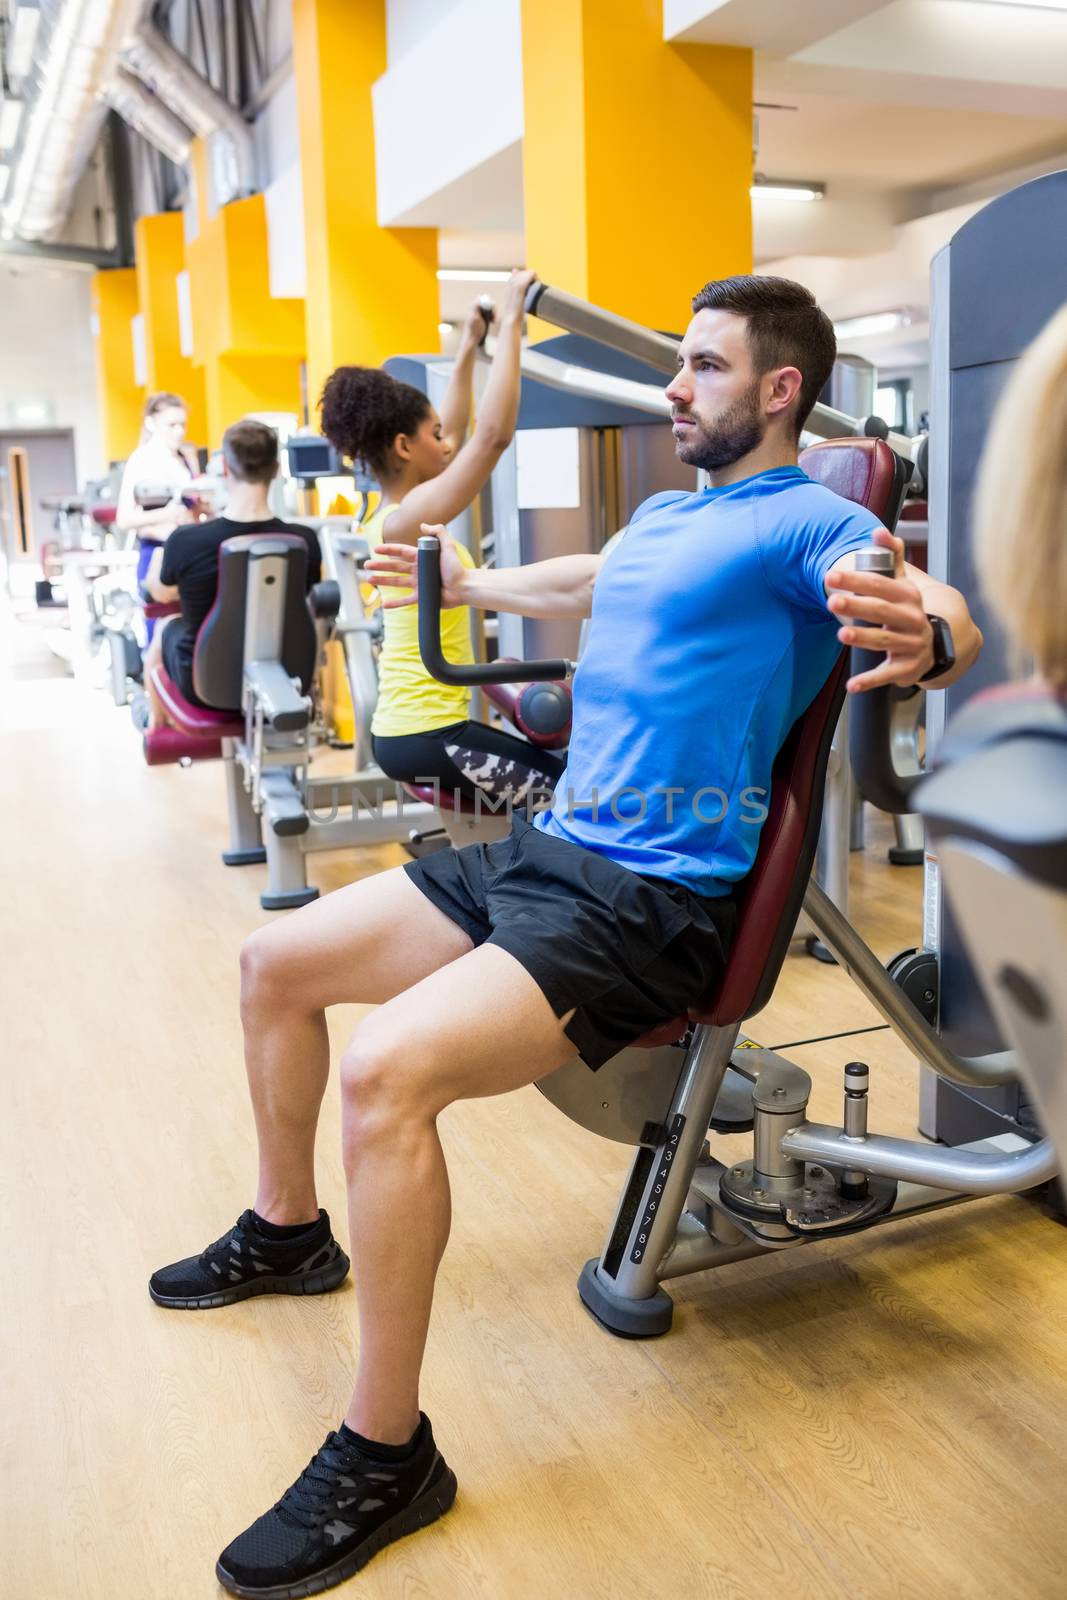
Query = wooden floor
x=884 y=1416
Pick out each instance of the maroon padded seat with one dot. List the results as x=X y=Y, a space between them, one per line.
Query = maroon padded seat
x=864 y=471
x=197 y=722
x=165 y=747
x=443 y=799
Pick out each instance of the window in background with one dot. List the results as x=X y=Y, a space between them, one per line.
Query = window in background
x=893 y=403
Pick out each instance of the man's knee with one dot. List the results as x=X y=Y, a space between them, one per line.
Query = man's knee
x=381 y=1089
x=264 y=964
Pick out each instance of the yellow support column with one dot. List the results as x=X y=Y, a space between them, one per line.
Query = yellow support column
x=249 y=344
x=371 y=291
x=637 y=157
x=121 y=400
x=159 y=251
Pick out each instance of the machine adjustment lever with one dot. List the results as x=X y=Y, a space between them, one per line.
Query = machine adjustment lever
x=855 y=1184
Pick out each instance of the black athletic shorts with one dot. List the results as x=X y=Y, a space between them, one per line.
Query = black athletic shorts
x=627 y=952
x=176 y=660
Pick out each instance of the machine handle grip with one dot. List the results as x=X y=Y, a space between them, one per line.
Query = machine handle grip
x=872 y=747
x=433 y=658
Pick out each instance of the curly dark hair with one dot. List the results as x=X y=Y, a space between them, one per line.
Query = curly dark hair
x=363 y=410
x=786 y=327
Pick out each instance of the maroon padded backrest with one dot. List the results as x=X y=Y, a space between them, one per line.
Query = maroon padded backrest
x=864 y=471
x=774 y=889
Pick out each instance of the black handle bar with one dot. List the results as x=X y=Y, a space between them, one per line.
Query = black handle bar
x=433 y=659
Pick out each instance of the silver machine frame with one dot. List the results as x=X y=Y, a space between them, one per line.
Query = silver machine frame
x=279 y=812
x=682 y=1208
x=977 y=333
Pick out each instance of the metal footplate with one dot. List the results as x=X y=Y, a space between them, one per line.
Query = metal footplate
x=814 y=1204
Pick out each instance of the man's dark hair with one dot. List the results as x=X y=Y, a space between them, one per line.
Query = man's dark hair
x=786 y=328
x=363 y=410
x=251 y=451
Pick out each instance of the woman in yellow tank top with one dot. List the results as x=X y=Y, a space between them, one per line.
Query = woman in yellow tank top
x=421 y=729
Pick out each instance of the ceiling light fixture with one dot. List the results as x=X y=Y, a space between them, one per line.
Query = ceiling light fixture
x=472 y=275
x=23 y=38
x=867 y=327
x=1031 y=5
x=446 y=327
x=785 y=189
x=10 y=122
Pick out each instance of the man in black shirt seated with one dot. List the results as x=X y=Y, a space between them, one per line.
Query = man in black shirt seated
x=187 y=565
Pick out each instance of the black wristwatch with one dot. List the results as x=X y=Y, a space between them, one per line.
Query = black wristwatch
x=944 y=649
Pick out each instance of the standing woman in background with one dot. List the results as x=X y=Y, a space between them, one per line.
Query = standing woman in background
x=162 y=458
x=421 y=729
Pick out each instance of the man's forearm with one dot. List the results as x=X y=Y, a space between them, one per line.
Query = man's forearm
x=558 y=589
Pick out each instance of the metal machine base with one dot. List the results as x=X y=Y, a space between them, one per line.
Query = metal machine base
x=289 y=900
x=245 y=858
x=629 y=1319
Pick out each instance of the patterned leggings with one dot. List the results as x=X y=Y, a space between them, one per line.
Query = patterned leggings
x=468 y=758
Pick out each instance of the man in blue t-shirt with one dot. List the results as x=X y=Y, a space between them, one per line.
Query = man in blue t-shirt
x=715 y=622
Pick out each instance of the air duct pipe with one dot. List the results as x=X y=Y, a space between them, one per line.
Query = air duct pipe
x=64 y=120
x=152 y=58
x=148 y=116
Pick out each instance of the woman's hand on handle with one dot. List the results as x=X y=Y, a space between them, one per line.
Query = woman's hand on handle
x=479 y=320
x=515 y=294
x=395 y=566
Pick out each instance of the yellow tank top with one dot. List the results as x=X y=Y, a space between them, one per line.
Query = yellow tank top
x=409 y=700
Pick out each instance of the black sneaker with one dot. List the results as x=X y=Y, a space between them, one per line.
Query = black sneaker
x=341 y=1511
x=244 y=1263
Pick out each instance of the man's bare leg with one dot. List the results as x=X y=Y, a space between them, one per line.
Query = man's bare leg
x=480 y=1026
x=363 y=945
x=153 y=657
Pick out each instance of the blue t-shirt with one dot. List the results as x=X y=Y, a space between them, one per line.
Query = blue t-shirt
x=709 y=637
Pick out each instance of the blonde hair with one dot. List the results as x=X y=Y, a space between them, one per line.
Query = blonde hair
x=1021 y=505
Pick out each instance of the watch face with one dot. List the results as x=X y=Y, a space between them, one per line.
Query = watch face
x=944 y=651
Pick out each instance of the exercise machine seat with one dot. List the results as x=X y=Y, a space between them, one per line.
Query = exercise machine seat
x=997 y=822
x=218 y=657
x=443 y=799
x=197 y=733
x=865 y=471
x=198 y=722
x=1001 y=780
x=770 y=898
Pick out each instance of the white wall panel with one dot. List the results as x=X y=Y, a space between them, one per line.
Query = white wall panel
x=277 y=133
x=407 y=22
x=451 y=103
x=285 y=234
x=48 y=355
